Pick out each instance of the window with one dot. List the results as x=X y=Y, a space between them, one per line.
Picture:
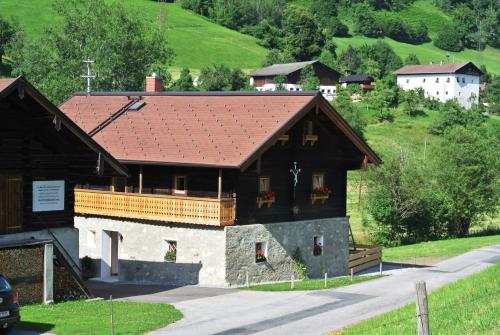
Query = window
x=437 y=92
x=423 y=80
x=171 y=252
x=91 y=238
x=260 y=252
x=446 y=93
x=437 y=80
x=329 y=91
x=459 y=93
x=407 y=81
x=318 y=180
x=318 y=245
x=264 y=184
x=291 y=88
x=322 y=90
x=448 y=79
x=308 y=128
x=463 y=80
x=180 y=185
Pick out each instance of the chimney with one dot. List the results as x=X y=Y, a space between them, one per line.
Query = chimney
x=154 y=83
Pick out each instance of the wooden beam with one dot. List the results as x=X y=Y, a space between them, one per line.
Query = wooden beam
x=259 y=164
x=219 y=189
x=140 y=179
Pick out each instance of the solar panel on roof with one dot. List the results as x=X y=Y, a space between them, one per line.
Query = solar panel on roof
x=136 y=105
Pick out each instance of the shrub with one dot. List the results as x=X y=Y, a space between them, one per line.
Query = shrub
x=300 y=266
x=449 y=39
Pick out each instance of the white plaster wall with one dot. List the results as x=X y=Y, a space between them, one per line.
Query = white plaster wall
x=68 y=237
x=446 y=89
x=327 y=91
x=142 y=247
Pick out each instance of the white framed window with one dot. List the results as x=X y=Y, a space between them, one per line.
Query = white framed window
x=423 y=80
x=318 y=180
x=437 y=80
x=463 y=80
x=180 y=185
x=260 y=252
x=458 y=79
x=448 y=79
x=407 y=81
x=170 y=251
x=318 y=245
x=91 y=238
x=446 y=92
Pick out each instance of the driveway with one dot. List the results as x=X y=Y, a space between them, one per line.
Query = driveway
x=318 y=312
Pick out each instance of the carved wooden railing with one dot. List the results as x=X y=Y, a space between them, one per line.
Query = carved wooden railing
x=167 y=208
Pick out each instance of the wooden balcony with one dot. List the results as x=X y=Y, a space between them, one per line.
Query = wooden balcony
x=167 y=208
x=366 y=87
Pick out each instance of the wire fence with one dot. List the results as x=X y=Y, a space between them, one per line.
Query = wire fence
x=433 y=310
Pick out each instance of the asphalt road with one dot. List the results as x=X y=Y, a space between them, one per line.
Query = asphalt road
x=318 y=312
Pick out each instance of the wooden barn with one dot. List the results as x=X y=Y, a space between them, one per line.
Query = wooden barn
x=219 y=183
x=264 y=79
x=43 y=155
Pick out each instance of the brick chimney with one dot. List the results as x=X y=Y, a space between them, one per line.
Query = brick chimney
x=154 y=83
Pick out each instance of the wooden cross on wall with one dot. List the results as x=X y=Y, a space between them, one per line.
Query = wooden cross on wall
x=295 y=171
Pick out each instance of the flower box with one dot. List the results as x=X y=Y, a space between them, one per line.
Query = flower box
x=266 y=198
x=309 y=139
x=320 y=194
x=284 y=138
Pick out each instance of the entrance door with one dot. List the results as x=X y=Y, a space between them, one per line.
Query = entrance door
x=11 y=204
x=114 y=253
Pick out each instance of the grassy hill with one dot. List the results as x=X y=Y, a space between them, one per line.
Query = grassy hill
x=196 y=41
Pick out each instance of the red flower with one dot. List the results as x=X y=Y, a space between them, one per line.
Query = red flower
x=267 y=195
x=323 y=190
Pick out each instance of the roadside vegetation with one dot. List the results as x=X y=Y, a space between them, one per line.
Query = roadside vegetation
x=81 y=317
x=438 y=250
x=469 y=306
x=311 y=284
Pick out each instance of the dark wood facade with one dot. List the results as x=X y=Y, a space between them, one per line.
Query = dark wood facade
x=37 y=144
x=332 y=155
x=326 y=76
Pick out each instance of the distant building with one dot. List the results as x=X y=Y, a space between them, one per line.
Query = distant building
x=443 y=81
x=363 y=80
x=263 y=79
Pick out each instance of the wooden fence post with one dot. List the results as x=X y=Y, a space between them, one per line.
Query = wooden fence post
x=422 y=308
x=326 y=279
x=247 y=279
x=292 y=282
x=352 y=274
x=111 y=315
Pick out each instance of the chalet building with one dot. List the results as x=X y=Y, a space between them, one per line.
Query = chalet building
x=263 y=79
x=43 y=154
x=223 y=186
x=443 y=82
x=364 y=81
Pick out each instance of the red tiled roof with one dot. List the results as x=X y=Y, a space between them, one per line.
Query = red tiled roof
x=6 y=82
x=205 y=129
x=433 y=68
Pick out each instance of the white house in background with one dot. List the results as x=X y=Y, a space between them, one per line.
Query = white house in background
x=443 y=81
x=263 y=79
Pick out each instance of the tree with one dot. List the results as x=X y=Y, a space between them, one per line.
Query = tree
x=349 y=61
x=96 y=30
x=275 y=56
x=343 y=104
x=412 y=59
x=184 y=83
x=449 y=39
x=337 y=27
x=324 y=10
x=383 y=54
x=7 y=32
x=308 y=79
x=468 y=176
x=303 y=38
x=371 y=67
x=221 y=78
x=365 y=22
x=452 y=115
x=280 y=81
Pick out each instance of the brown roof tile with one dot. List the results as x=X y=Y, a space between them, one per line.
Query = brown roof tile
x=433 y=68
x=6 y=82
x=206 y=129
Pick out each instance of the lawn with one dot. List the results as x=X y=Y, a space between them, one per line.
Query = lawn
x=196 y=41
x=469 y=306
x=92 y=318
x=438 y=249
x=311 y=284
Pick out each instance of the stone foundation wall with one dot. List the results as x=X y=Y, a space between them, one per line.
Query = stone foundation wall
x=23 y=268
x=142 y=247
x=283 y=240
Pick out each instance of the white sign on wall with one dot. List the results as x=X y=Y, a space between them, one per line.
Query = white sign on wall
x=48 y=195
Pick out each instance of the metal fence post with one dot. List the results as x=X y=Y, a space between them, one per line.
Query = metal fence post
x=111 y=315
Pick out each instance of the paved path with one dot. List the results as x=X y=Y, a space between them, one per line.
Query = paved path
x=318 y=312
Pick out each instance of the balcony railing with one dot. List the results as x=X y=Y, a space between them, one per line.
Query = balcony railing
x=167 y=208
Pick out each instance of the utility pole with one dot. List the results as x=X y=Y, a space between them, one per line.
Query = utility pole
x=88 y=75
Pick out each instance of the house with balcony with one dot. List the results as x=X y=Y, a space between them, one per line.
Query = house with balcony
x=443 y=81
x=364 y=81
x=224 y=188
x=264 y=79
